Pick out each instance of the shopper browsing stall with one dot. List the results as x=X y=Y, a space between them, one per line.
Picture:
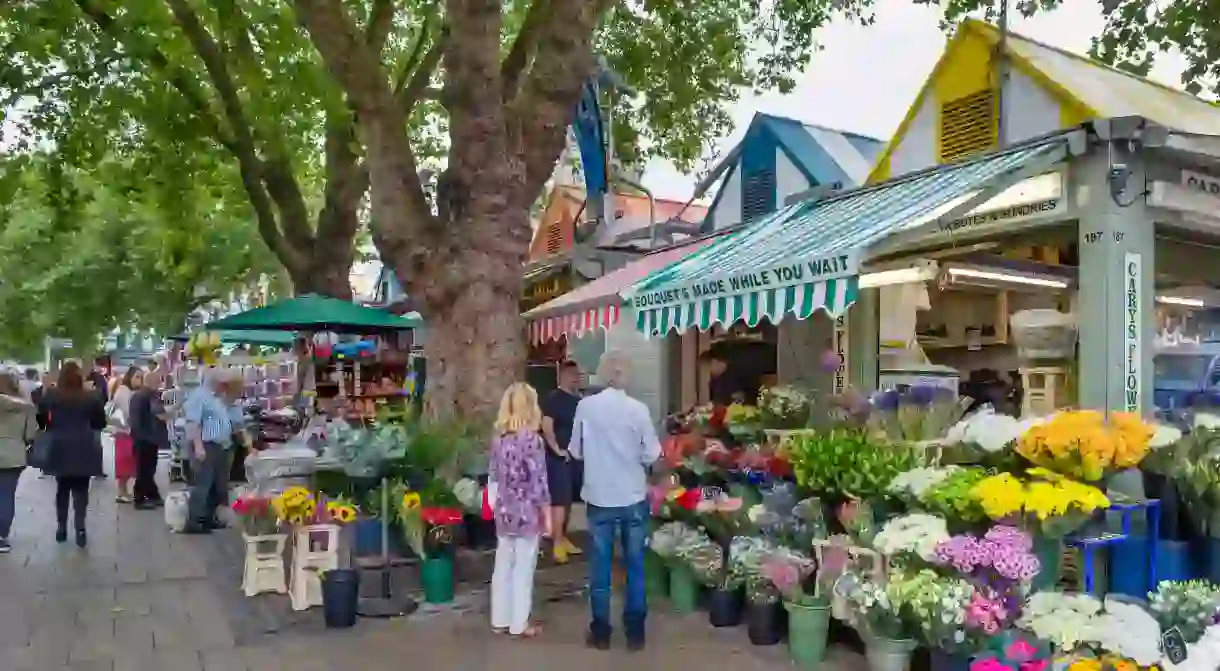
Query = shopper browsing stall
x=209 y=426
x=563 y=472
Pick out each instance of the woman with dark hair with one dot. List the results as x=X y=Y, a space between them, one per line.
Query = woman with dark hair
x=118 y=414
x=75 y=416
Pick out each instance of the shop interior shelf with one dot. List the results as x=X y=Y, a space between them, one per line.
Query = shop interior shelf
x=1088 y=544
x=929 y=343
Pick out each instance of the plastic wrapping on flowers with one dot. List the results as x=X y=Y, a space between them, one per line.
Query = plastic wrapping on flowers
x=1190 y=605
x=846 y=462
x=1084 y=444
x=918 y=414
x=920 y=605
x=1053 y=505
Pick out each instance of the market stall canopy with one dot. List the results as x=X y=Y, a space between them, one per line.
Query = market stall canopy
x=312 y=313
x=596 y=305
x=807 y=256
x=272 y=338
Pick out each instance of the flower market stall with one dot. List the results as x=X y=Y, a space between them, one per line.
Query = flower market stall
x=974 y=542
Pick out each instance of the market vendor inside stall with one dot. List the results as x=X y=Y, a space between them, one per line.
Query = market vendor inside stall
x=737 y=370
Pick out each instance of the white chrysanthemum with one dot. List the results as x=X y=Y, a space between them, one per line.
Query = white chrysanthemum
x=1204 y=420
x=1164 y=436
x=917 y=533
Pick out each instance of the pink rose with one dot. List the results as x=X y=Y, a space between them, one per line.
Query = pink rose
x=989 y=664
x=1034 y=665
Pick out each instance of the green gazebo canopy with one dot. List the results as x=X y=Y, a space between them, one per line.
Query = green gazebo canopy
x=312 y=313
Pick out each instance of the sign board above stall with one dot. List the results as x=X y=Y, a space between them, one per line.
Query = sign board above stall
x=1036 y=199
x=792 y=274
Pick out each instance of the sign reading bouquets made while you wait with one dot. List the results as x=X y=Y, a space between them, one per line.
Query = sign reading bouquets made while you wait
x=779 y=276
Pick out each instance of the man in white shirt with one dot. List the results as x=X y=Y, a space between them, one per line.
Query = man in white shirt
x=614 y=435
x=29 y=383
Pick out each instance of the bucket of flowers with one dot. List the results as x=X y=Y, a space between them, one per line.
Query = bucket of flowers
x=898 y=610
x=806 y=601
x=295 y=506
x=783 y=408
x=920 y=414
x=430 y=519
x=1085 y=444
x=256 y=514
x=1190 y=606
x=673 y=542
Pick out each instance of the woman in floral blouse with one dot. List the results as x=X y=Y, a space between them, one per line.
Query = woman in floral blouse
x=518 y=469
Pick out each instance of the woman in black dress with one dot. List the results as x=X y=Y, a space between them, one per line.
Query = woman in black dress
x=75 y=416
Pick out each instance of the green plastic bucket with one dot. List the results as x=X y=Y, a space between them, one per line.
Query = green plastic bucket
x=436 y=574
x=808 y=629
x=683 y=589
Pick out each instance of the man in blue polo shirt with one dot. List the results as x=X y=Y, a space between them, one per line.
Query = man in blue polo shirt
x=209 y=430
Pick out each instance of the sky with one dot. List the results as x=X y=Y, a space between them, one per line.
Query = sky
x=866 y=78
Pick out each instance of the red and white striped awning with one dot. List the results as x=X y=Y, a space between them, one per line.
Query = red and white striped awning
x=576 y=324
x=597 y=305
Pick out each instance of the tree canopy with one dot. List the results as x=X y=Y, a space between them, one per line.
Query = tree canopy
x=86 y=251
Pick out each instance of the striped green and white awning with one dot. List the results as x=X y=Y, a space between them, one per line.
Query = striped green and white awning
x=806 y=257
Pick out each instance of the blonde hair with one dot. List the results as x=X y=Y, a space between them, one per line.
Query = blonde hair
x=519 y=410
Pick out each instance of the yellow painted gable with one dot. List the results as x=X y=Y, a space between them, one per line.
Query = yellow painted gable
x=1083 y=88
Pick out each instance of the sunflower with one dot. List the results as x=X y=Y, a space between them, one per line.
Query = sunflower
x=411 y=500
x=345 y=514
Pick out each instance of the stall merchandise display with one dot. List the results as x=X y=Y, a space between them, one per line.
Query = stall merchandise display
x=923 y=528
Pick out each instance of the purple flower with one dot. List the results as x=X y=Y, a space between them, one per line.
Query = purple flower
x=886 y=401
x=921 y=395
x=830 y=361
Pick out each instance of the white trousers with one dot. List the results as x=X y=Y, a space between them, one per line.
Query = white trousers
x=512 y=582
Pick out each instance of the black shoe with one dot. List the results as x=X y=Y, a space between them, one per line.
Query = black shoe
x=145 y=505
x=635 y=644
x=61 y=535
x=597 y=642
x=81 y=539
x=216 y=524
x=196 y=530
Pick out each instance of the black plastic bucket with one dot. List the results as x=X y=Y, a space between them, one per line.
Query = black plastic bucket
x=724 y=607
x=340 y=597
x=766 y=622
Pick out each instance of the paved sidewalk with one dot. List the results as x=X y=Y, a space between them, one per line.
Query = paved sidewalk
x=140 y=598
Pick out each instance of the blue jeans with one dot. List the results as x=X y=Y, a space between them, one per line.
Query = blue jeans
x=630 y=525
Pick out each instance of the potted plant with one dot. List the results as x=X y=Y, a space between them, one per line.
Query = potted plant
x=764 y=613
x=429 y=520
x=672 y=542
x=893 y=612
x=263 y=569
x=808 y=610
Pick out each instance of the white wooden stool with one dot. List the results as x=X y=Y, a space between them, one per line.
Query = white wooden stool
x=315 y=550
x=264 y=568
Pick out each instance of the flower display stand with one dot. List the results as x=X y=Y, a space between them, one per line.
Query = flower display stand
x=315 y=550
x=1088 y=544
x=264 y=565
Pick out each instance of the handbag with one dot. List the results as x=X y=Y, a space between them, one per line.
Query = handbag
x=38 y=455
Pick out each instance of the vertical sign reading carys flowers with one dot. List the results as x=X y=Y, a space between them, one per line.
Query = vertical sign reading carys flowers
x=1132 y=335
x=840 y=348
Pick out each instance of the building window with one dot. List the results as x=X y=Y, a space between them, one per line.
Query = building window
x=967 y=126
x=758 y=194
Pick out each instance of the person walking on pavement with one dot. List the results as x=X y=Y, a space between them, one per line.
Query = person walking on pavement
x=563 y=473
x=48 y=383
x=209 y=429
x=28 y=384
x=75 y=416
x=17 y=428
x=615 y=436
x=149 y=434
x=518 y=469
x=118 y=412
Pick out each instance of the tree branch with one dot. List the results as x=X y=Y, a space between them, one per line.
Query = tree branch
x=400 y=211
x=417 y=88
x=277 y=172
x=381 y=20
x=185 y=86
x=541 y=113
x=522 y=51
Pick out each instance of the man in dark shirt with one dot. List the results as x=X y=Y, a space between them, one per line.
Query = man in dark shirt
x=722 y=386
x=98 y=377
x=563 y=473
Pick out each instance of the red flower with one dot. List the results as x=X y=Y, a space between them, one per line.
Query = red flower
x=241 y=506
x=779 y=467
x=441 y=516
x=689 y=499
x=717 y=419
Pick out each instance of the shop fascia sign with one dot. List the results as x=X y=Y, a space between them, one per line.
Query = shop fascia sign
x=1032 y=199
x=791 y=273
x=1195 y=194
